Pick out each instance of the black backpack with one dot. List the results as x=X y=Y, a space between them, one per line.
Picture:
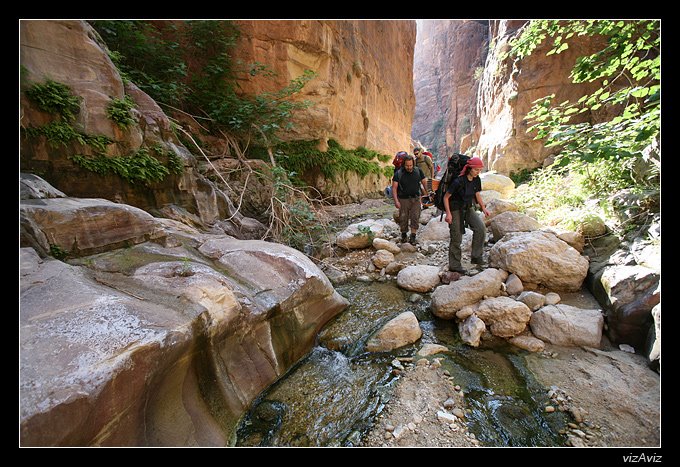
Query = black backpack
x=453 y=169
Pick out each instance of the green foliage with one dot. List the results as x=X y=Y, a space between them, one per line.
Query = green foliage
x=174 y=164
x=299 y=157
x=55 y=98
x=138 y=167
x=365 y=230
x=58 y=252
x=60 y=132
x=521 y=176
x=295 y=222
x=628 y=68
x=568 y=195
x=118 y=110
x=188 y=64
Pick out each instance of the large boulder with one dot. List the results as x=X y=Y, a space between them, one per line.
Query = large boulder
x=80 y=227
x=471 y=330
x=497 y=206
x=511 y=221
x=33 y=187
x=574 y=239
x=527 y=342
x=541 y=258
x=497 y=182
x=382 y=258
x=419 y=278
x=382 y=244
x=533 y=300
x=361 y=234
x=435 y=230
x=489 y=195
x=448 y=299
x=655 y=347
x=192 y=341
x=398 y=332
x=567 y=325
x=628 y=294
x=503 y=316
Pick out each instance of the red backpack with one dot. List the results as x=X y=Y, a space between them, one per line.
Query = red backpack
x=398 y=160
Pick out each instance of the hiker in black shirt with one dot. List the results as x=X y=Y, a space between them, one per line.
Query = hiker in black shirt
x=459 y=203
x=406 y=189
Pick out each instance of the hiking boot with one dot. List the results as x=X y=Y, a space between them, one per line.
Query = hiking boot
x=412 y=239
x=460 y=271
x=403 y=237
x=479 y=262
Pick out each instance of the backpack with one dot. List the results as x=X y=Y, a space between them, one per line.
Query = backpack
x=453 y=169
x=398 y=160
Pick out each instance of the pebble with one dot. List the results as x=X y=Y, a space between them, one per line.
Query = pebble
x=449 y=403
x=459 y=413
x=461 y=394
x=399 y=431
x=446 y=373
x=579 y=433
x=549 y=409
x=388 y=435
x=397 y=364
x=445 y=417
x=422 y=362
x=417 y=418
x=572 y=425
x=456 y=387
x=364 y=279
x=412 y=426
x=415 y=298
x=389 y=427
x=436 y=363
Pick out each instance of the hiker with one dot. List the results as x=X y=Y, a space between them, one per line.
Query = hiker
x=424 y=162
x=459 y=203
x=407 y=185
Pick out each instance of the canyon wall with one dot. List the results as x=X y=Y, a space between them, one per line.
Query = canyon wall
x=362 y=94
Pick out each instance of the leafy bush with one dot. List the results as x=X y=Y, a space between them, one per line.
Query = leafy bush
x=118 y=110
x=301 y=156
x=55 y=98
x=138 y=167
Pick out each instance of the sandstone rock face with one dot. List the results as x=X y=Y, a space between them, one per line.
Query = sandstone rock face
x=540 y=258
x=418 y=278
x=447 y=57
x=83 y=227
x=362 y=94
x=568 y=325
x=511 y=221
x=448 y=299
x=398 y=332
x=508 y=89
x=69 y=52
x=158 y=350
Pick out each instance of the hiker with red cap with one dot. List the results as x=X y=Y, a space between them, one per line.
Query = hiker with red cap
x=459 y=202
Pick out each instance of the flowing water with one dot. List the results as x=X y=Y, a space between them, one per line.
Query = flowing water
x=331 y=397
